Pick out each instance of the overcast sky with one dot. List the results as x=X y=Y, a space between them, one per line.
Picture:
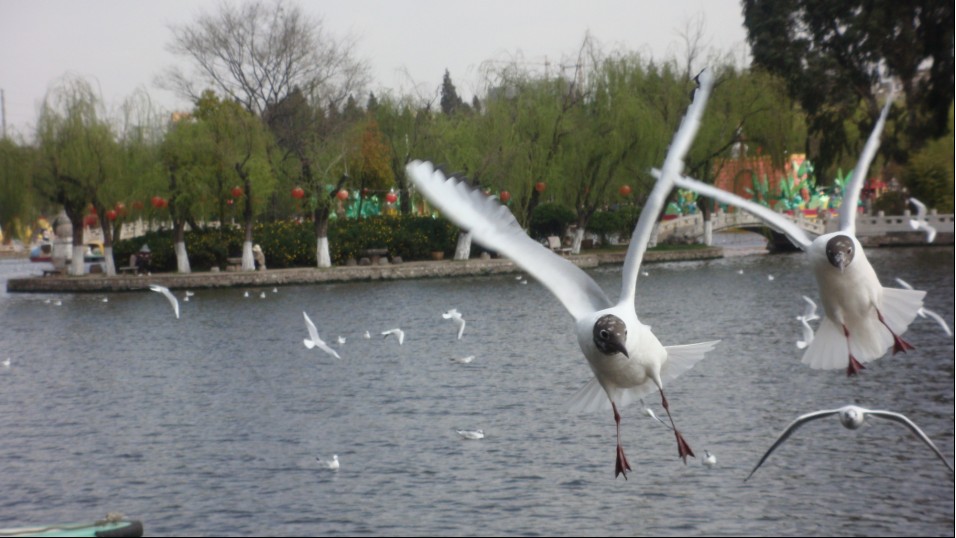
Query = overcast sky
x=121 y=45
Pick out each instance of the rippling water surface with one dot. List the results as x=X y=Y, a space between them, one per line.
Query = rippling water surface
x=211 y=425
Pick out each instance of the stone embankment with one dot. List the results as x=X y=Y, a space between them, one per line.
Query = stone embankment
x=312 y=275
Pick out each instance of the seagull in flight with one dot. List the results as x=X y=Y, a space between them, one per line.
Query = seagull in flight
x=809 y=311
x=650 y=413
x=400 y=334
x=807 y=334
x=851 y=416
x=923 y=312
x=169 y=295
x=920 y=223
x=314 y=341
x=862 y=319
x=627 y=359
x=455 y=316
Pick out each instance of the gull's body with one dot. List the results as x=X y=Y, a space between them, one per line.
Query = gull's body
x=332 y=464
x=398 y=333
x=169 y=296
x=627 y=360
x=851 y=416
x=862 y=319
x=455 y=316
x=314 y=341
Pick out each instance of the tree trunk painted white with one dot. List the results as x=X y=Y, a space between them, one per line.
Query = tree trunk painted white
x=77 y=268
x=576 y=242
x=463 y=248
x=322 y=255
x=709 y=232
x=110 y=264
x=248 y=262
x=182 y=258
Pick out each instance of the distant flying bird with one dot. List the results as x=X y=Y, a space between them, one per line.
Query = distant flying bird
x=455 y=316
x=169 y=295
x=626 y=358
x=851 y=417
x=314 y=341
x=924 y=312
x=807 y=334
x=809 y=311
x=862 y=319
x=920 y=222
x=399 y=334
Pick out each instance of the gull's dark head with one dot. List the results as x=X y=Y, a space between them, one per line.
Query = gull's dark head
x=610 y=335
x=840 y=250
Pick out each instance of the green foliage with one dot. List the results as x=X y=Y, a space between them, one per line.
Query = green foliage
x=930 y=175
x=550 y=219
x=605 y=223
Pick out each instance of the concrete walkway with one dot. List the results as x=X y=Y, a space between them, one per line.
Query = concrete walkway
x=312 y=275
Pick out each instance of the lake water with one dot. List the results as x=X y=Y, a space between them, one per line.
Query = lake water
x=211 y=424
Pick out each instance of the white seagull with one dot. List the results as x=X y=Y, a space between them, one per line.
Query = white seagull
x=314 y=341
x=627 y=360
x=920 y=223
x=471 y=434
x=367 y=336
x=463 y=360
x=341 y=340
x=862 y=319
x=6 y=362
x=809 y=311
x=332 y=463
x=169 y=295
x=455 y=316
x=851 y=417
x=650 y=413
x=400 y=334
x=923 y=312
x=710 y=460
x=807 y=334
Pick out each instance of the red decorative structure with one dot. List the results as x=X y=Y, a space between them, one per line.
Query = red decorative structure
x=237 y=192
x=110 y=215
x=391 y=197
x=342 y=195
x=90 y=221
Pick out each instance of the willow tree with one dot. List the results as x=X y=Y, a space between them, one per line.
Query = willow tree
x=17 y=204
x=239 y=157
x=76 y=156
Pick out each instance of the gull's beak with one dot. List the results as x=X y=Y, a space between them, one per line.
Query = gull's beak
x=840 y=259
x=618 y=345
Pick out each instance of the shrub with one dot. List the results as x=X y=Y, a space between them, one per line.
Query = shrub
x=550 y=219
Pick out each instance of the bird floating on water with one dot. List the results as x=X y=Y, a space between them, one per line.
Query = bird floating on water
x=314 y=341
x=627 y=359
x=463 y=360
x=471 y=434
x=862 y=319
x=332 y=464
x=710 y=460
x=169 y=296
x=851 y=416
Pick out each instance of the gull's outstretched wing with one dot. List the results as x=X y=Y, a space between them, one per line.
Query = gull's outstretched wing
x=495 y=228
x=773 y=219
x=673 y=166
x=809 y=311
x=169 y=295
x=800 y=421
x=913 y=428
x=852 y=189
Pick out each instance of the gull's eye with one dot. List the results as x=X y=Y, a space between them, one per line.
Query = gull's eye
x=604 y=334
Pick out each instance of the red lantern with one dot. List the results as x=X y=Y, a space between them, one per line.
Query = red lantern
x=504 y=196
x=110 y=215
x=391 y=197
x=625 y=190
x=229 y=201
x=298 y=193
x=156 y=201
x=163 y=203
x=237 y=192
x=90 y=221
x=342 y=195
x=539 y=186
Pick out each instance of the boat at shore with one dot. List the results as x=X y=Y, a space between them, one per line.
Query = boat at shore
x=43 y=253
x=111 y=526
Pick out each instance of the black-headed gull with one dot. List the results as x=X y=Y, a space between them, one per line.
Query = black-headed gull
x=851 y=416
x=455 y=316
x=367 y=336
x=471 y=434
x=332 y=463
x=314 y=341
x=862 y=319
x=627 y=360
x=398 y=333
x=923 y=312
x=169 y=295
x=462 y=360
x=710 y=460
x=341 y=340
x=920 y=223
